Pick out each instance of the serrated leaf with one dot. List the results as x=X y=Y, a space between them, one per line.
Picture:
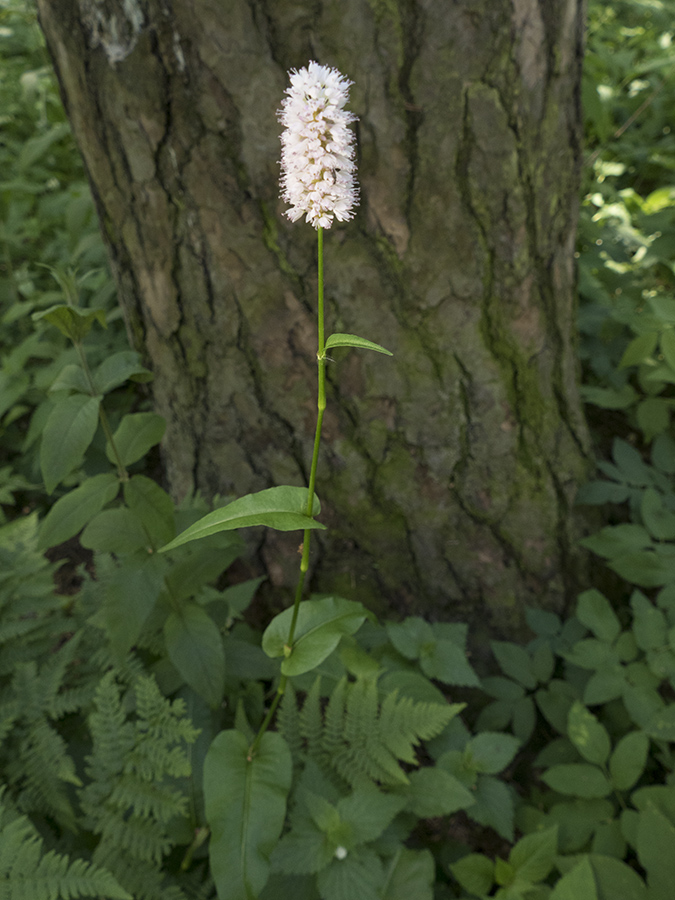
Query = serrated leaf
x=68 y=431
x=320 y=626
x=475 y=873
x=445 y=661
x=72 y=512
x=195 y=647
x=353 y=340
x=577 y=884
x=435 y=792
x=534 y=855
x=136 y=434
x=515 y=662
x=245 y=802
x=588 y=735
x=410 y=874
x=594 y=611
x=490 y=752
x=154 y=508
x=282 y=508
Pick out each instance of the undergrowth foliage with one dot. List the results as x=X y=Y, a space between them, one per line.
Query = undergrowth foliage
x=153 y=744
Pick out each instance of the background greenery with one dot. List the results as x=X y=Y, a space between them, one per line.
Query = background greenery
x=120 y=668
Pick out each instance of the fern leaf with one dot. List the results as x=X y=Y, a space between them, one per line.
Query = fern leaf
x=311 y=720
x=288 y=722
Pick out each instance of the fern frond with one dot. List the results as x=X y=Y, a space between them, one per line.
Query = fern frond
x=288 y=722
x=311 y=719
x=332 y=739
x=25 y=872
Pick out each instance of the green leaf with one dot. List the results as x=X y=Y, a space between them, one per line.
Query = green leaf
x=116 y=531
x=71 y=321
x=118 y=368
x=475 y=873
x=639 y=349
x=411 y=874
x=627 y=762
x=657 y=519
x=650 y=627
x=588 y=735
x=245 y=801
x=71 y=378
x=195 y=647
x=656 y=850
x=282 y=508
x=490 y=752
x=410 y=636
x=594 y=611
x=493 y=806
x=136 y=434
x=661 y=724
x=577 y=884
x=435 y=792
x=534 y=855
x=446 y=661
x=668 y=346
x=68 y=431
x=154 y=508
x=515 y=662
x=130 y=591
x=353 y=340
x=653 y=416
x=577 y=780
x=72 y=512
x=319 y=627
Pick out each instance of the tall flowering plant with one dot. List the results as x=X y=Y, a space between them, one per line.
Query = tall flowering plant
x=318 y=182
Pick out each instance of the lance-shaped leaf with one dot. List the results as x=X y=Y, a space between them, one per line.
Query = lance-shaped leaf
x=68 y=432
x=137 y=433
x=353 y=340
x=195 y=647
x=71 y=513
x=282 y=508
x=319 y=627
x=245 y=803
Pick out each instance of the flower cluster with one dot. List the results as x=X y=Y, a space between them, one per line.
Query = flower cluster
x=317 y=155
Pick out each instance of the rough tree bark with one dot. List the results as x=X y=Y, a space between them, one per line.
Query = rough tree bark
x=448 y=473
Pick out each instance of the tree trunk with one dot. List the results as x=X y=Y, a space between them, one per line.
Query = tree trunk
x=448 y=473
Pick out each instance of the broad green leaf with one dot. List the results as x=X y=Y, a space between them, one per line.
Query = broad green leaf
x=245 y=802
x=515 y=662
x=656 y=850
x=588 y=735
x=71 y=378
x=490 y=752
x=650 y=627
x=319 y=627
x=627 y=762
x=447 y=662
x=615 y=879
x=435 y=792
x=368 y=811
x=661 y=724
x=71 y=321
x=653 y=416
x=136 y=434
x=646 y=568
x=282 y=508
x=534 y=855
x=493 y=806
x=195 y=647
x=411 y=874
x=668 y=346
x=154 y=508
x=595 y=612
x=118 y=368
x=117 y=531
x=129 y=594
x=68 y=431
x=72 y=512
x=353 y=340
x=577 y=780
x=577 y=884
x=410 y=636
x=359 y=874
x=639 y=349
x=659 y=520
x=475 y=873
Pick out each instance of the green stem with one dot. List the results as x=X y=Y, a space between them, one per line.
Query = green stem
x=105 y=424
x=304 y=562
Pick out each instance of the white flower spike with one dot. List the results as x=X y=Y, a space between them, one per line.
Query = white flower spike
x=317 y=147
